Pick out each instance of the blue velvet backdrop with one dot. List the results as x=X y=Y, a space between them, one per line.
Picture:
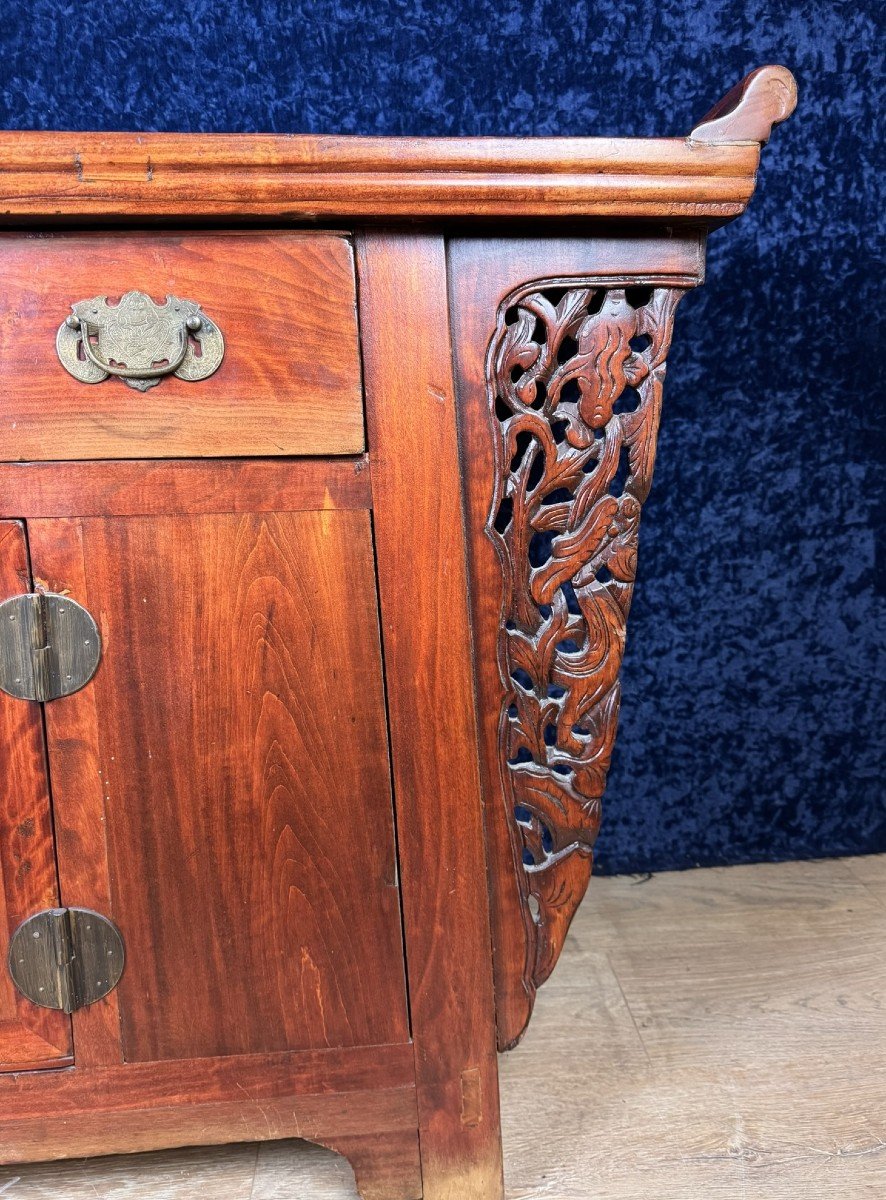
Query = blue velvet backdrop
x=753 y=717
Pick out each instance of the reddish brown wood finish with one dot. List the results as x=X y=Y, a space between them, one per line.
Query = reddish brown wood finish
x=289 y=382
x=142 y=1087
x=486 y=278
x=243 y=758
x=423 y=587
x=708 y=177
x=324 y=1096
x=29 y=1036
x=749 y=111
x=222 y=787
x=385 y=1168
x=135 y=489
x=340 y=1121
x=80 y=819
x=106 y=175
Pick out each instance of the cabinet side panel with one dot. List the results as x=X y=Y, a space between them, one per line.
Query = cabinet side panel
x=29 y=1035
x=559 y=351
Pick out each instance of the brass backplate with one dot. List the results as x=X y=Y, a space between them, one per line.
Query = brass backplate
x=139 y=341
x=66 y=958
x=49 y=646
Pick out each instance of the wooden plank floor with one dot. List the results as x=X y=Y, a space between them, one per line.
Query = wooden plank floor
x=709 y=1035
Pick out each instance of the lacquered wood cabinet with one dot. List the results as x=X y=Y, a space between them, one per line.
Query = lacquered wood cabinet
x=321 y=470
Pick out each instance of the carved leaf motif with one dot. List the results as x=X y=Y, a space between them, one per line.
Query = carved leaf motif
x=574 y=451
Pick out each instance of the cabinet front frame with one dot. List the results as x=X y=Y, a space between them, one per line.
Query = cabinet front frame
x=442 y=1084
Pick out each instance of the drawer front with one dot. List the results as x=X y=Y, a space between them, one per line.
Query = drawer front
x=288 y=382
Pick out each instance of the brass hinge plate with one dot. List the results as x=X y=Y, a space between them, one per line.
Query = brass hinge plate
x=66 y=958
x=49 y=646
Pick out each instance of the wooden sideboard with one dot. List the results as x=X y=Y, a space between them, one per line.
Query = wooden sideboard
x=321 y=469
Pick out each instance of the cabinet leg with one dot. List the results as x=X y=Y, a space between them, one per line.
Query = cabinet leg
x=465 y=1167
x=417 y=515
x=386 y=1166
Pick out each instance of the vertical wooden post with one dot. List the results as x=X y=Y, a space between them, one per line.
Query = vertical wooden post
x=78 y=800
x=29 y=1036
x=420 y=546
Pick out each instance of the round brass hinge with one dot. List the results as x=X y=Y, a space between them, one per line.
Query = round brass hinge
x=49 y=646
x=66 y=958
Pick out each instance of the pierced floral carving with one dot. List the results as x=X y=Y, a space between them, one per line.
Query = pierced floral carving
x=574 y=374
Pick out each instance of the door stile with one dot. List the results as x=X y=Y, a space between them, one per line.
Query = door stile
x=31 y=1037
x=72 y=731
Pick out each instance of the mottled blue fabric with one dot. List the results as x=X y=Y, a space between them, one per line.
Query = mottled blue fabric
x=753 y=715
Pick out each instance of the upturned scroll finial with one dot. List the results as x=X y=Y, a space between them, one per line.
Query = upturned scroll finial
x=764 y=98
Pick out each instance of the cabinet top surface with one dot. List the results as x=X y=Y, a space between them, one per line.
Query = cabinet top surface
x=707 y=177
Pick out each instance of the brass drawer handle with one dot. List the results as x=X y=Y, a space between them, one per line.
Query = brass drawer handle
x=139 y=341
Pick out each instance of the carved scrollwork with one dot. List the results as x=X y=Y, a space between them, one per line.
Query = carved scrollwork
x=574 y=374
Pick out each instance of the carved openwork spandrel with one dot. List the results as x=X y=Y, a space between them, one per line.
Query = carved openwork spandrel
x=574 y=376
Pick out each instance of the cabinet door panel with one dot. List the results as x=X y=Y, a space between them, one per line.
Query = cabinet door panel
x=243 y=752
x=29 y=1035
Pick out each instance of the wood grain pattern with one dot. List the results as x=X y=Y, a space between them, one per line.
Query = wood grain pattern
x=103 y=175
x=140 y=1088
x=332 y=1115
x=483 y=274
x=243 y=758
x=285 y=303
x=423 y=590
x=29 y=1036
x=749 y=111
x=705 y=178
x=222 y=788
x=133 y=488
x=870 y=871
x=208 y=1173
x=387 y=1168
x=767 y=1084
x=732 y=1016
x=79 y=813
